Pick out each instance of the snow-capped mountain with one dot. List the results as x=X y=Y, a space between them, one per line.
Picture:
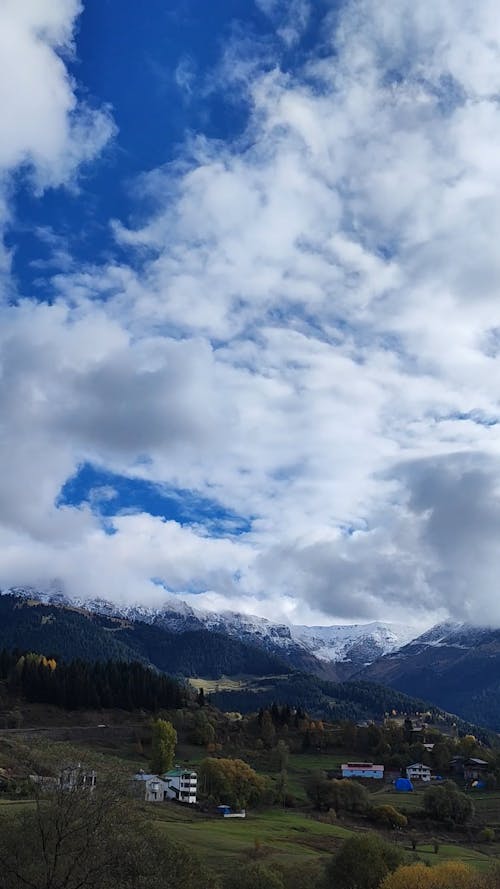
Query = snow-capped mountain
x=358 y=643
x=454 y=665
x=315 y=649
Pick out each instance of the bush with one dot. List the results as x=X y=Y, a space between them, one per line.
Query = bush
x=362 y=862
x=487 y=835
x=233 y=782
x=342 y=796
x=446 y=803
x=388 y=816
x=449 y=875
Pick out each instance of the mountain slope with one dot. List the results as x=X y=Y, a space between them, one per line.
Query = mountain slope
x=455 y=666
x=334 y=652
x=75 y=633
x=332 y=701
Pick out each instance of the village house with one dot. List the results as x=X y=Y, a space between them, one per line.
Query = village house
x=71 y=777
x=362 y=770
x=470 y=769
x=75 y=777
x=150 y=787
x=418 y=772
x=457 y=765
x=177 y=784
x=182 y=785
x=475 y=769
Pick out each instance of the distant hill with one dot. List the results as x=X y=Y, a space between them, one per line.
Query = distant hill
x=354 y=700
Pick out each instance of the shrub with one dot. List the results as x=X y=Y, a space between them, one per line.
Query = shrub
x=446 y=803
x=449 y=875
x=388 y=816
x=362 y=862
x=487 y=835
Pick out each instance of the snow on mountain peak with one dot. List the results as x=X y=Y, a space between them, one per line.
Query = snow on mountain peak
x=362 y=643
x=357 y=644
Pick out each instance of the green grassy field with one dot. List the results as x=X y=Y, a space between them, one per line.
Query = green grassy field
x=285 y=838
x=15 y=807
x=486 y=805
x=302 y=765
x=448 y=852
x=404 y=802
x=275 y=836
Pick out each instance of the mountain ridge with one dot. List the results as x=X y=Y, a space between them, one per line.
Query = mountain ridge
x=452 y=665
x=335 y=652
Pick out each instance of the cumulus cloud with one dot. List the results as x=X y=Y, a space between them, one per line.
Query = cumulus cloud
x=307 y=332
x=46 y=130
x=432 y=552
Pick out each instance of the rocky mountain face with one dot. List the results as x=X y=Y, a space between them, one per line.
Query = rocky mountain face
x=356 y=645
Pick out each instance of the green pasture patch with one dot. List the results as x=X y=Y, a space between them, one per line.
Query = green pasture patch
x=409 y=802
x=10 y=807
x=451 y=852
x=281 y=837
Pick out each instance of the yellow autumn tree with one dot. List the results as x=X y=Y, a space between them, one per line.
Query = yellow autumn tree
x=231 y=781
x=448 y=875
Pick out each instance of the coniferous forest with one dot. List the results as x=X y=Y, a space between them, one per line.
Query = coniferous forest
x=82 y=685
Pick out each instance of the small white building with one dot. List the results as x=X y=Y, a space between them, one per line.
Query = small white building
x=182 y=785
x=418 y=772
x=362 y=770
x=177 y=784
x=151 y=786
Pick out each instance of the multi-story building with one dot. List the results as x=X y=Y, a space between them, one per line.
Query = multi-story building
x=181 y=784
x=177 y=784
x=418 y=772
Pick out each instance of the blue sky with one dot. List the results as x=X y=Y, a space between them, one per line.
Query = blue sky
x=250 y=281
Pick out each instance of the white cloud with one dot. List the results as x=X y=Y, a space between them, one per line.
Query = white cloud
x=45 y=129
x=311 y=338
x=290 y=16
x=185 y=75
